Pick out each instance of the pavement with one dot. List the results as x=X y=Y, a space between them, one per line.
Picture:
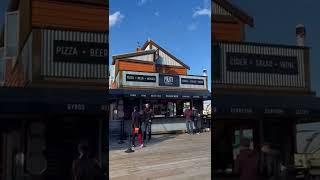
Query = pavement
x=165 y=157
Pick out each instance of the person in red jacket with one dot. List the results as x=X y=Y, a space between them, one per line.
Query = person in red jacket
x=247 y=162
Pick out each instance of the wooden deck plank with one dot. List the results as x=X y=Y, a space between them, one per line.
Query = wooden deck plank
x=167 y=157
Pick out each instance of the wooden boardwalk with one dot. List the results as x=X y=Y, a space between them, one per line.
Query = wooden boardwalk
x=176 y=157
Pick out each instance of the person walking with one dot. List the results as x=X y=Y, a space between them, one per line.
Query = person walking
x=270 y=165
x=84 y=167
x=147 y=122
x=189 y=123
x=247 y=162
x=195 y=118
x=135 y=125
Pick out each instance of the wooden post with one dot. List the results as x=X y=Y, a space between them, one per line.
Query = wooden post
x=261 y=132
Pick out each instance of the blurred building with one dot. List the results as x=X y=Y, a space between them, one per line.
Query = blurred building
x=54 y=72
x=261 y=90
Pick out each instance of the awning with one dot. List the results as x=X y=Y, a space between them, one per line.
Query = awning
x=160 y=94
x=52 y=100
x=267 y=105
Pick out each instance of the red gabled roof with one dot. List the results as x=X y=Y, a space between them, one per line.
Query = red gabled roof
x=159 y=47
x=235 y=11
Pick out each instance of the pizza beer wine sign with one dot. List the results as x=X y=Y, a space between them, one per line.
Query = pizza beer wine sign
x=80 y=52
x=259 y=63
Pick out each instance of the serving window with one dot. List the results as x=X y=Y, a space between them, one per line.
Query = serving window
x=168 y=108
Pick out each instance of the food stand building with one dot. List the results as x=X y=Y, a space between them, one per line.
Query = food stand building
x=153 y=75
x=261 y=90
x=55 y=64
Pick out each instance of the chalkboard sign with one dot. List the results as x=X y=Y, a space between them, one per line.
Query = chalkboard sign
x=258 y=63
x=140 y=78
x=80 y=52
x=168 y=80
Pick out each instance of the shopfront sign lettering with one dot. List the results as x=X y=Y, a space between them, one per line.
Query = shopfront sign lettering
x=80 y=52
x=273 y=111
x=259 y=63
x=140 y=78
x=192 y=81
x=241 y=110
x=168 y=80
x=76 y=107
x=172 y=96
x=302 y=111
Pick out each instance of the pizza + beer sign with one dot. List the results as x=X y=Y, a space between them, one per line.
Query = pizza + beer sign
x=80 y=52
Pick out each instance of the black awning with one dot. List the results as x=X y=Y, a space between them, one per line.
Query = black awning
x=160 y=94
x=268 y=105
x=55 y=100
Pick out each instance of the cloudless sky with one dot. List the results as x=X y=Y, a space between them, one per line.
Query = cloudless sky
x=275 y=22
x=169 y=23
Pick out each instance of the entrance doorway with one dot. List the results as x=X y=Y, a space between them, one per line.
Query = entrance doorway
x=63 y=136
x=280 y=134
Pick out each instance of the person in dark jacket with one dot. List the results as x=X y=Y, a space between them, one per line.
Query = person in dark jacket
x=86 y=168
x=135 y=124
x=247 y=163
x=147 y=122
x=195 y=119
x=270 y=163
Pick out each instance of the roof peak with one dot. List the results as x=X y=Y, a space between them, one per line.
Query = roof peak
x=235 y=11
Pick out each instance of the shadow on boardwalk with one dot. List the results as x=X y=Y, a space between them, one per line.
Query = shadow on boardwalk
x=114 y=145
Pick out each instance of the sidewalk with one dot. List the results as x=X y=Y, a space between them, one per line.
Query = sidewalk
x=165 y=157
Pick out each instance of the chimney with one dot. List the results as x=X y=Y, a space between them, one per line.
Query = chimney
x=204 y=71
x=138 y=49
x=300 y=34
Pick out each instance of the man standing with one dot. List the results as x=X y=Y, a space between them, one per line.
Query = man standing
x=270 y=165
x=247 y=164
x=189 y=123
x=195 y=118
x=147 y=122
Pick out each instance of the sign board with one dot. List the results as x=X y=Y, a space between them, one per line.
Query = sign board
x=168 y=80
x=260 y=63
x=192 y=81
x=80 y=52
x=140 y=78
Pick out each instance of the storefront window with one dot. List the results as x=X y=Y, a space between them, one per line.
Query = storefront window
x=159 y=110
x=172 y=109
x=238 y=135
x=168 y=108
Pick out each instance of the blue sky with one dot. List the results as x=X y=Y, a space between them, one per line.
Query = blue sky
x=181 y=27
x=275 y=22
